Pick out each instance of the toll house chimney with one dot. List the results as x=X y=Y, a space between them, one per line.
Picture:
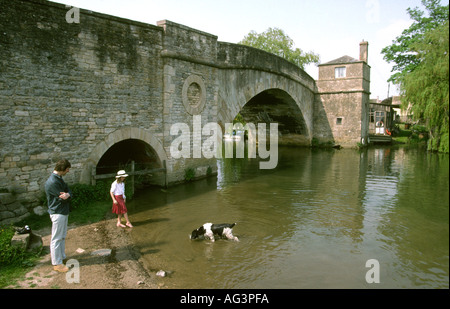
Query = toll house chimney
x=363 y=51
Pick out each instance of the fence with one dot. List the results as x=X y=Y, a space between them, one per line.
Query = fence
x=131 y=173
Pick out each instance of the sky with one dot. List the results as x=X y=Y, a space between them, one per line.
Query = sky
x=329 y=28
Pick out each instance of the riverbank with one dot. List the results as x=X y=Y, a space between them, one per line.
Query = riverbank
x=121 y=269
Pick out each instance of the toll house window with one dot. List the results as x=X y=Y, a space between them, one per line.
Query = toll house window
x=339 y=72
x=338 y=121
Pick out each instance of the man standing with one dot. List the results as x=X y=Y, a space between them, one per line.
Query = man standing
x=58 y=198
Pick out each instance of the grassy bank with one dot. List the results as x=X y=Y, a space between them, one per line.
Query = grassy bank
x=15 y=263
x=415 y=135
x=90 y=205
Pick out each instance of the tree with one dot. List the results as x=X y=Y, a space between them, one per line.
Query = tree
x=275 y=41
x=400 y=52
x=427 y=85
x=421 y=55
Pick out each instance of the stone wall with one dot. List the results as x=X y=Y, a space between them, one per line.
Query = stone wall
x=11 y=210
x=64 y=87
x=343 y=111
x=344 y=101
x=357 y=78
x=189 y=88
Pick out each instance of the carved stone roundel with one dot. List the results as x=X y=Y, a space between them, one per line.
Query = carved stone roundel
x=194 y=94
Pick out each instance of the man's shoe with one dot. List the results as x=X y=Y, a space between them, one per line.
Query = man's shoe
x=61 y=268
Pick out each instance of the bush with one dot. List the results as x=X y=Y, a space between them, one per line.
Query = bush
x=14 y=261
x=443 y=144
x=419 y=129
x=440 y=143
x=84 y=194
x=315 y=143
x=189 y=174
x=9 y=254
x=209 y=171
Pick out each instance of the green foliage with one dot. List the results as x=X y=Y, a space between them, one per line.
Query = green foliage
x=275 y=41
x=439 y=144
x=419 y=129
x=84 y=194
x=360 y=145
x=401 y=52
x=14 y=261
x=421 y=56
x=8 y=253
x=209 y=171
x=427 y=87
x=444 y=143
x=315 y=143
x=89 y=204
x=239 y=119
x=189 y=174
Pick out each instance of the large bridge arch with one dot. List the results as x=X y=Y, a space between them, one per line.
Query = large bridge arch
x=276 y=105
x=239 y=88
x=115 y=137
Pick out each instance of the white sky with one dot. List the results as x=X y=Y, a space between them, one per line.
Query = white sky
x=329 y=28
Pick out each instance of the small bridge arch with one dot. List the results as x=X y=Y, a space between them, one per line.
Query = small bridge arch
x=118 y=136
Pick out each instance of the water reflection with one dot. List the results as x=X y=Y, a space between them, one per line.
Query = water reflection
x=312 y=222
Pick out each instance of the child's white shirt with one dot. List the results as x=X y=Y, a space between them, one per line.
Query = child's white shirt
x=118 y=188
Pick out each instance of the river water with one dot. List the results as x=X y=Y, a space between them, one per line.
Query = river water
x=318 y=220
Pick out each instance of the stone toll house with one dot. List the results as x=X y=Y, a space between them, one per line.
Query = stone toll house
x=106 y=90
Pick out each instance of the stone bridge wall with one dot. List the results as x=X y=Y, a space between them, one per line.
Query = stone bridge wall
x=67 y=88
x=73 y=90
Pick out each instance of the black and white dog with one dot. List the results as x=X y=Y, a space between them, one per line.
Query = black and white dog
x=208 y=230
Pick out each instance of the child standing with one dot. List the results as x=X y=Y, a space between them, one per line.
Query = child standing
x=117 y=193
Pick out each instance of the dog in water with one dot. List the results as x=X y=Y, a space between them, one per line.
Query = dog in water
x=208 y=230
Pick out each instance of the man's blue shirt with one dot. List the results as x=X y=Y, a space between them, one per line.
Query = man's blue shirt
x=53 y=188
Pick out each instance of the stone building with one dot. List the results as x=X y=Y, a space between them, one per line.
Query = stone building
x=344 y=89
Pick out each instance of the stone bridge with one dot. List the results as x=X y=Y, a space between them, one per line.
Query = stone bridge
x=105 y=90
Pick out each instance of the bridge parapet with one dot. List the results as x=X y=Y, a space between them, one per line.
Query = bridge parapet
x=236 y=56
x=195 y=46
x=180 y=41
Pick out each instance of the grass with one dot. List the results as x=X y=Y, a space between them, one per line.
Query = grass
x=14 y=262
x=16 y=268
x=411 y=136
x=90 y=204
x=403 y=135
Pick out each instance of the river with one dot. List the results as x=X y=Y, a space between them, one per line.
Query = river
x=377 y=218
